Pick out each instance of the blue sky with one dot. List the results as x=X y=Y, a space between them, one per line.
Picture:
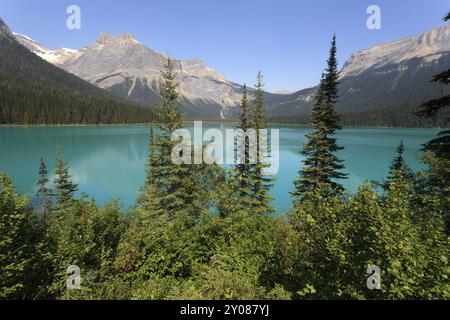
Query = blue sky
x=287 y=39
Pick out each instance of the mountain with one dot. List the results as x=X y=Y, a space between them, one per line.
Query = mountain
x=283 y=91
x=34 y=91
x=128 y=69
x=378 y=78
x=384 y=76
x=57 y=57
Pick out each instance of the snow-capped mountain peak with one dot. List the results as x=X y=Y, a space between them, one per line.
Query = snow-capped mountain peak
x=57 y=57
x=126 y=67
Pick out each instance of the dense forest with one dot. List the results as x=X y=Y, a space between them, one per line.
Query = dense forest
x=205 y=232
x=403 y=116
x=33 y=91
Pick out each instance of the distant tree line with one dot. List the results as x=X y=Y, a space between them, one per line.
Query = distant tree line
x=403 y=116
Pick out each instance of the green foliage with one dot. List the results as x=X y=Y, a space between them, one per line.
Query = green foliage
x=261 y=182
x=398 y=170
x=64 y=188
x=240 y=266
x=87 y=237
x=396 y=116
x=43 y=192
x=176 y=185
x=338 y=245
x=433 y=187
x=251 y=185
x=148 y=202
x=14 y=240
x=243 y=168
x=322 y=167
x=321 y=230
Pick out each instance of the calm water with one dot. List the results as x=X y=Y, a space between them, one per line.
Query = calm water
x=108 y=162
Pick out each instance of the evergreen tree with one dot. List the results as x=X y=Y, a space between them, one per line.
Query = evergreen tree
x=170 y=116
x=398 y=163
x=174 y=182
x=398 y=169
x=149 y=198
x=64 y=188
x=261 y=183
x=15 y=254
x=322 y=166
x=243 y=169
x=43 y=192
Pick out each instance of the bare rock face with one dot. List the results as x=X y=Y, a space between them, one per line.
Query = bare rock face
x=127 y=68
x=383 y=76
x=379 y=77
x=430 y=46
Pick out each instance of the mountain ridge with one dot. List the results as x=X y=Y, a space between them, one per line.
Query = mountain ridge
x=390 y=76
x=381 y=76
x=34 y=91
x=128 y=69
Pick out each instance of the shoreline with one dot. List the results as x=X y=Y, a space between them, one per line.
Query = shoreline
x=204 y=121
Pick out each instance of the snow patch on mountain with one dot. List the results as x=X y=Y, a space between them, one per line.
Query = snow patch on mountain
x=57 y=57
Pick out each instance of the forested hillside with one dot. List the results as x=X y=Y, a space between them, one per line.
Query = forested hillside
x=402 y=116
x=33 y=91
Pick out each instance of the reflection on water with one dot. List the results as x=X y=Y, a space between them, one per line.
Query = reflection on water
x=109 y=161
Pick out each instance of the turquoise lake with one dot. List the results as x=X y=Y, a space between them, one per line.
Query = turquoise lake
x=108 y=162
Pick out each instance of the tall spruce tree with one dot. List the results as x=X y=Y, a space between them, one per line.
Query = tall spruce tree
x=261 y=182
x=149 y=198
x=174 y=182
x=398 y=170
x=64 y=188
x=322 y=167
x=243 y=169
x=43 y=192
x=399 y=162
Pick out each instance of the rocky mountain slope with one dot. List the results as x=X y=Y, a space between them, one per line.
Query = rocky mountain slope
x=127 y=68
x=376 y=78
x=384 y=76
